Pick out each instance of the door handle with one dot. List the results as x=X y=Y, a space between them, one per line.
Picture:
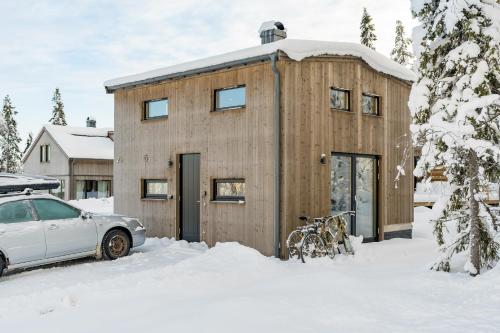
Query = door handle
x=53 y=227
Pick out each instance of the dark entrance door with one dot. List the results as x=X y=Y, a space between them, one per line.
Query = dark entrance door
x=354 y=187
x=190 y=197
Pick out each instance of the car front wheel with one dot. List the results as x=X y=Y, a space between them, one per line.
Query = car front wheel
x=116 y=244
x=2 y=266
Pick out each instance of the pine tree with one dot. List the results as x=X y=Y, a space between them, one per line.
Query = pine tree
x=455 y=106
x=58 y=116
x=29 y=141
x=400 y=52
x=9 y=139
x=367 y=27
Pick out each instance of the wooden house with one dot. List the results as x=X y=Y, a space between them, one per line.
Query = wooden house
x=80 y=157
x=236 y=147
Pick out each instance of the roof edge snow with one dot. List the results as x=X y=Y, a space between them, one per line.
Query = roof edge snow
x=295 y=49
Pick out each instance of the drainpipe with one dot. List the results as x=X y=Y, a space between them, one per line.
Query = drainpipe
x=277 y=157
x=71 y=187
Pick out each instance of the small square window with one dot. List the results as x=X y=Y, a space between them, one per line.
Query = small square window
x=339 y=99
x=230 y=98
x=229 y=189
x=156 y=109
x=370 y=104
x=155 y=188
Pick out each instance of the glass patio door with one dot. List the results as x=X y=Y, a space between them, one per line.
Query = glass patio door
x=354 y=187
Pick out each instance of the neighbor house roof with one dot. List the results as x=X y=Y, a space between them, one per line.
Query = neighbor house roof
x=295 y=49
x=80 y=142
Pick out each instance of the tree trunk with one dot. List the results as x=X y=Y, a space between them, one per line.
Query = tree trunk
x=473 y=172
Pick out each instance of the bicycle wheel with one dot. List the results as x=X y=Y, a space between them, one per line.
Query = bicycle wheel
x=347 y=245
x=293 y=244
x=312 y=246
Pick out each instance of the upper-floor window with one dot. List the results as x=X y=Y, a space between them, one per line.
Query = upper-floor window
x=371 y=104
x=229 y=189
x=156 y=108
x=230 y=98
x=45 y=153
x=155 y=189
x=339 y=99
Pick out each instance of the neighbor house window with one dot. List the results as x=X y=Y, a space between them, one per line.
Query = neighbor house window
x=371 y=104
x=59 y=192
x=45 y=153
x=86 y=189
x=339 y=99
x=155 y=188
x=156 y=108
x=230 y=98
x=229 y=189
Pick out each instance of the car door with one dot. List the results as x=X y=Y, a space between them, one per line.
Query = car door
x=66 y=231
x=22 y=237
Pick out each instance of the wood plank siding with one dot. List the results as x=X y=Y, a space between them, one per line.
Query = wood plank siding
x=311 y=128
x=232 y=143
x=239 y=144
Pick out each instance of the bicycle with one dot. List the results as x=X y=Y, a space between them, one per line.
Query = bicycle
x=294 y=240
x=326 y=236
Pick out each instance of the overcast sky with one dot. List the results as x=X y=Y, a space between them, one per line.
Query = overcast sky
x=77 y=45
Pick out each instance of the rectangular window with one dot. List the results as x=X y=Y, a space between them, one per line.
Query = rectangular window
x=86 y=189
x=45 y=153
x=230 y=98
x=155 y=189
x=59 y=192
x=229 y=189
x=156 y=108
x=339 y=99
x=371 y=104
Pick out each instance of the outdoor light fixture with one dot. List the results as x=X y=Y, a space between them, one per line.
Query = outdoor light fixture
x=322 y=159
x=170 y=163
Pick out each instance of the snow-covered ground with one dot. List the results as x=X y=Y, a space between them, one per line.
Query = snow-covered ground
x=173 y=286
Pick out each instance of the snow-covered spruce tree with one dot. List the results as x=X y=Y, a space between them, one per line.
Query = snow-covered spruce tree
x=58 y=116
x=29 y=141
x=9 y=139
x=367 y=27
x=400 y=53
x=455 y=105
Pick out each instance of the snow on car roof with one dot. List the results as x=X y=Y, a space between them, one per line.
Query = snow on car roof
x=83 y=142
x=16 y=183
x=296 y=49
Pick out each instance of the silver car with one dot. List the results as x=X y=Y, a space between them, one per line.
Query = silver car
x=38 y=229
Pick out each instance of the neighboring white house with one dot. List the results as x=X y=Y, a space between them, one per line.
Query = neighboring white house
x=81 y=157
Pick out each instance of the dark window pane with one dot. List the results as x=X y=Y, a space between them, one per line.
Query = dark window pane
x=156 y=108
x=370 y=104
x=339 y=99
x=48 y=209
x=229 y=189
x=155 y=188
x=15 y=212
x=230 y=98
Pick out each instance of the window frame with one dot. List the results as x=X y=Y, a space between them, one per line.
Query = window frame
x=216 y=197
x=147 y=196
x=145 y=107
x=45 y=153
x=234 y=107
x=377 y=98
x=348 y=91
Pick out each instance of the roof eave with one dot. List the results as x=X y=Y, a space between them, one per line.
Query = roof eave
x=191 y=72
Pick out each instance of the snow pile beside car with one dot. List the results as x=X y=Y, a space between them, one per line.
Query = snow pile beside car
x=104 y=205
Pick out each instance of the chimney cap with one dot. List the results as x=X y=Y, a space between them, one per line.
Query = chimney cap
x=271 y=25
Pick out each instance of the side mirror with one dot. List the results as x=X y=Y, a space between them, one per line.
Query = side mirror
x=85 y=216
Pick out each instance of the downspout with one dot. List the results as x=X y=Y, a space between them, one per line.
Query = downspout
x=71 y=183
x=277 y=156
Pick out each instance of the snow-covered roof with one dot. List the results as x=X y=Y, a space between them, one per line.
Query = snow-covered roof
x=295 y=49
x=82 y=142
